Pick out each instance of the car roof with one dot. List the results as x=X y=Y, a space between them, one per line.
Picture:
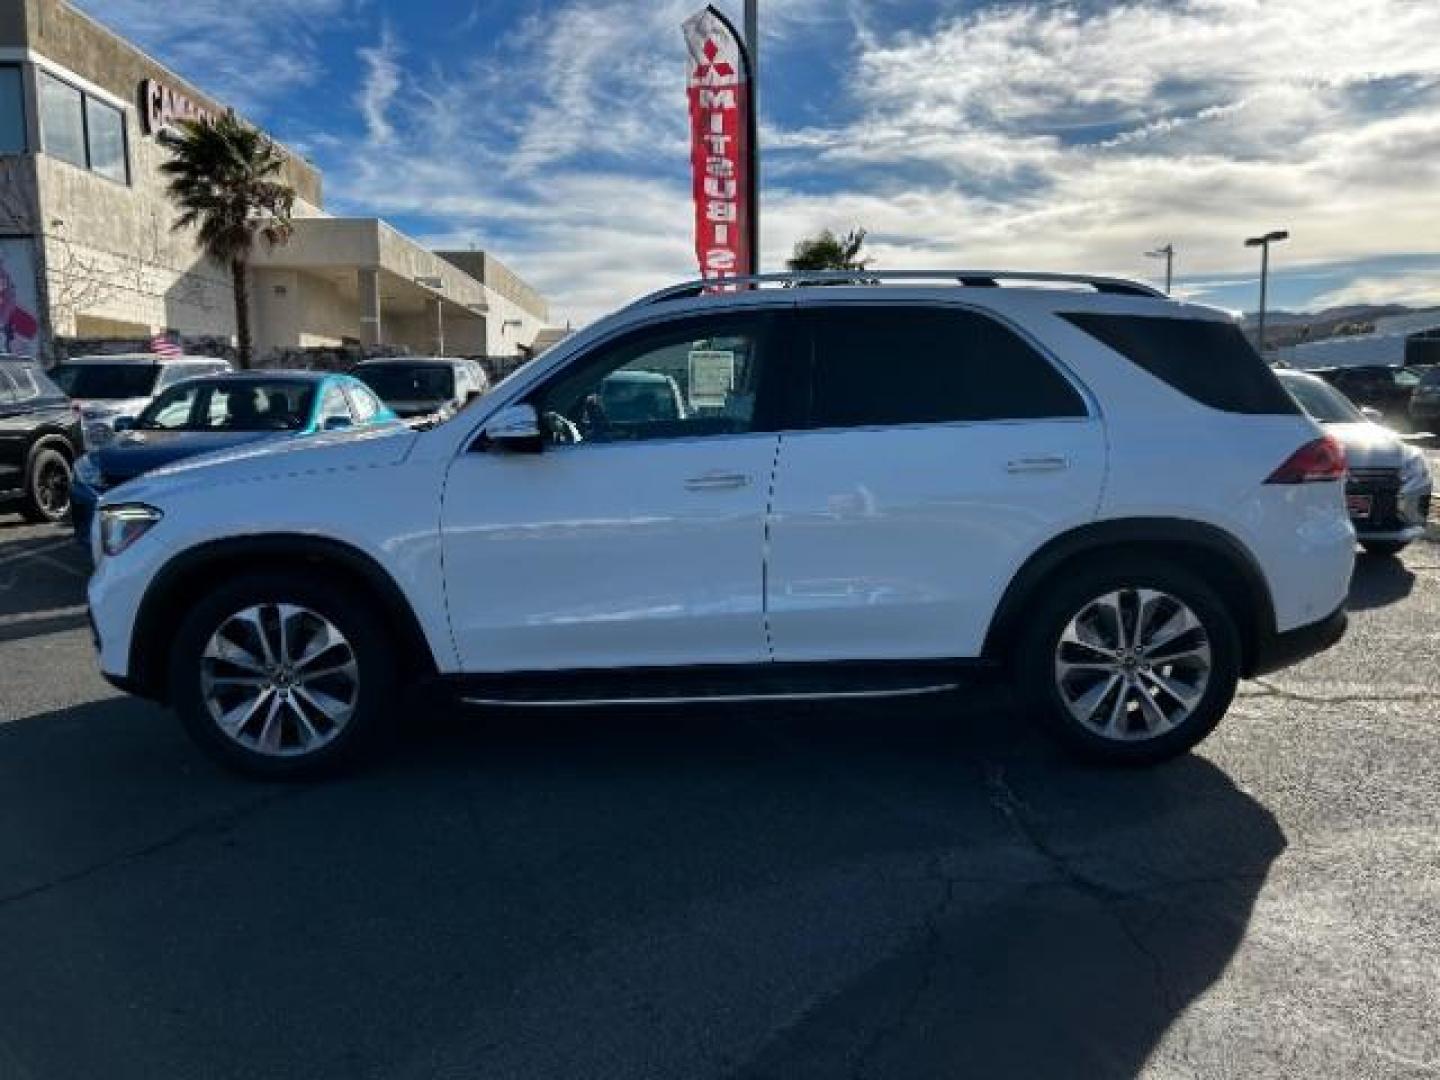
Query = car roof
x=276 y=374
x=431 y=360
x=143 y=358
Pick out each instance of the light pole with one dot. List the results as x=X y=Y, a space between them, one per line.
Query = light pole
x=1263 y=243
x=752 y=42
x=1168 y=254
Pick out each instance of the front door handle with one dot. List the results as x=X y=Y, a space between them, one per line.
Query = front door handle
x=716 y=481
x=1037 y=464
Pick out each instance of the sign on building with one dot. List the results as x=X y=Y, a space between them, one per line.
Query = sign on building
x=19 y=299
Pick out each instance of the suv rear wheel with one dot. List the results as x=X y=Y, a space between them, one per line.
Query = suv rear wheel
x=1130 y=664
x=47 y=486
x=280 y=676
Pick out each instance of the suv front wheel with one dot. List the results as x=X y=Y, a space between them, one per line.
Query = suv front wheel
x=1130 y=664
x=277 y=675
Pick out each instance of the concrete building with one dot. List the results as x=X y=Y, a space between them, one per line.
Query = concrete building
x=86 y=248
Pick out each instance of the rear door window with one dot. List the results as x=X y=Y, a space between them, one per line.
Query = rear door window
x=892 y=364
x=1206 y=360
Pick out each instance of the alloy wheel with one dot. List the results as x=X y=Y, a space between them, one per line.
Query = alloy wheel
x=1133 y=664
x=52 y=488
x=279 y=680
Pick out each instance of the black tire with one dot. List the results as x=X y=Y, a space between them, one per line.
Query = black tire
x=1384 y=549
x=369 y=725
x=47 y=486
x=1064 y=598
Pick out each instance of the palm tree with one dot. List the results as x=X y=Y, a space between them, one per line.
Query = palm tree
x=224 y=176
x=829 y=252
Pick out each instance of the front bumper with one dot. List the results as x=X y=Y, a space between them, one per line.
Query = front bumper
x=83 y=500
x=1284 y=649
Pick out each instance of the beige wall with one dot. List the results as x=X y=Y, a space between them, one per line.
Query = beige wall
x=110 y=253
x=294 y=308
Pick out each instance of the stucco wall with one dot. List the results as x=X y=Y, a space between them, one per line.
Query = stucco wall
x=309 y=312
x=110 y=252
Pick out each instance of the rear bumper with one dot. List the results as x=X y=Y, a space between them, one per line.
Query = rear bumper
x=1281 y=650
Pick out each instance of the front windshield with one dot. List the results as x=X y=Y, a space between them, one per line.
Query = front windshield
x=1322 y=401
x=400 y=383
x=231 y=405
x=107 y=381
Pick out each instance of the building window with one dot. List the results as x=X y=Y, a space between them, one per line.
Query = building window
x=105 y=139
x=62 y=120
x=12 y=110
x=82 y=130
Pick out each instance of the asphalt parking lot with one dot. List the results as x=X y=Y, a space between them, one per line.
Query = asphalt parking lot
x=878 y=891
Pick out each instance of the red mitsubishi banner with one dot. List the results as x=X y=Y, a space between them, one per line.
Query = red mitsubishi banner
x=722 y=134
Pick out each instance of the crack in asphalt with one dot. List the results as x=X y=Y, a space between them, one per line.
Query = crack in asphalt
x=216 y=824
x=934 y=950
x=1019 y=815
x=1271 y=690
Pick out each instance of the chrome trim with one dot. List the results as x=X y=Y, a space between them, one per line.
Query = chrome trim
x=813 y=695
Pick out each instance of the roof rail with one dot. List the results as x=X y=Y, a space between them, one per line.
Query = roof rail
x=975 y=279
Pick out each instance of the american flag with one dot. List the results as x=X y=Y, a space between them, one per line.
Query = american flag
x=161 y=345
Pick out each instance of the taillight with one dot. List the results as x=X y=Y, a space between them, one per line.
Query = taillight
x=1323 y=459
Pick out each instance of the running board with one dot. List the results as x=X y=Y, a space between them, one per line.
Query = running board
x=814 y=695
x=732 y=684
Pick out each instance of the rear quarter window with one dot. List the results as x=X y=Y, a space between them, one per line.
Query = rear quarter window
x=1206 y=360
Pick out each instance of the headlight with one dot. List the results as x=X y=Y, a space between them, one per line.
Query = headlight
x=121 y=526
x=1415 y=467
x=87 y=472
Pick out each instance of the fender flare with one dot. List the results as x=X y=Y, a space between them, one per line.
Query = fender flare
x=1242 y=577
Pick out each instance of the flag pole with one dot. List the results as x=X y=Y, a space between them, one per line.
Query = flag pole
x=752 y=42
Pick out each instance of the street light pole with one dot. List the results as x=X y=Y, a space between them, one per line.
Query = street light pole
x=1263 y=243
x=1168 y=254
x=752 y=42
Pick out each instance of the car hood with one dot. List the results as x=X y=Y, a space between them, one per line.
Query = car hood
x=385 y=444
x=136 y=452
x=1369 y=445
x=109 y=408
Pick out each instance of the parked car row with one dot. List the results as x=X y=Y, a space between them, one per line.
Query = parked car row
x=1407 y=398
x=114 y=417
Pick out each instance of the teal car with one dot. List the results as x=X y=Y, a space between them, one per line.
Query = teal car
x=217 y=412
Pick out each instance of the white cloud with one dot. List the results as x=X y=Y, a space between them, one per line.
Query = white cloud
x=247 y=53
x=1417 y=290
x=382 y=80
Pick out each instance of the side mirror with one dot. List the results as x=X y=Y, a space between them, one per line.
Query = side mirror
x=1372 y=414
x=124 y=423
x=336 y=423
x=472 y=396
x=515 y=428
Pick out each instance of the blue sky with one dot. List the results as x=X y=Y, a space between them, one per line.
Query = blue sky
x=1009 y=134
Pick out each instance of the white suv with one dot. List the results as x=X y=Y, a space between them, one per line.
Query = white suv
x=873 y=489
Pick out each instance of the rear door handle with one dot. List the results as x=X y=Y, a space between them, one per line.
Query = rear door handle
x=716 y=481
x=1037 y=464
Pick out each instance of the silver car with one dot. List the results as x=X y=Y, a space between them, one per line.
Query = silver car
x=1389 y=486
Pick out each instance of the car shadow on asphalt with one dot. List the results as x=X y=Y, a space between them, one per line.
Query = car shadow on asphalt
x=889 y=890
x=1379 y=581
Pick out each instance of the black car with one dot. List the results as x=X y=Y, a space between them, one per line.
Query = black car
x=39 y=441
x=1385 y=389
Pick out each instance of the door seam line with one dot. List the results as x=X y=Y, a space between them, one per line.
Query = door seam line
x=765 y=551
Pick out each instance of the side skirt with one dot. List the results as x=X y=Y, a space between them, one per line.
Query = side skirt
x=846 y=680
